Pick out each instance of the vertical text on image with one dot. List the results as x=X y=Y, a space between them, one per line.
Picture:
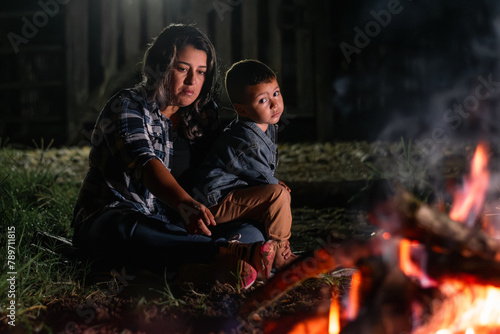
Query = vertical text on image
x=11 y=275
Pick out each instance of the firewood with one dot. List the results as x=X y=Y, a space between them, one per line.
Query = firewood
x=323 y=260
x=406 y=216
x=470 y=269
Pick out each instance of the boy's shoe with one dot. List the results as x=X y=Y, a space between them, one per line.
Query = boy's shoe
x=259 y=254
x=247 y=275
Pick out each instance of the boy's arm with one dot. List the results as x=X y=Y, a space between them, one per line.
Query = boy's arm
x=252 y=165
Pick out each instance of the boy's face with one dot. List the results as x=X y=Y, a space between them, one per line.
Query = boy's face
x=263 y=104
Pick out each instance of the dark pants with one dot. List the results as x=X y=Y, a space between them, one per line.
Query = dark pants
x=127 y=236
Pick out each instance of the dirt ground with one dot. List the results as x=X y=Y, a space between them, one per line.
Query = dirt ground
x=329 y=189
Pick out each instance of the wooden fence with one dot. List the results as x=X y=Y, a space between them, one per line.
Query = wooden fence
x=88 y=49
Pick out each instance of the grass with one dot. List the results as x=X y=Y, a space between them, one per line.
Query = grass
x=33 y=197
x=38 y=193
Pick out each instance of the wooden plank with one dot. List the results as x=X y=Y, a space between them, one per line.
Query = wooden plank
x=249 y=22
x=197 y=14
x=131 y=28
x=154 y=18
x=109 y=37
x=322 y=72
x=77 y=71
x=174 y=11
x=222 y=40
x=275 y=45
x=305 y=77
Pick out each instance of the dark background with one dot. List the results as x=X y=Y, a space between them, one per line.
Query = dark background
x=349 y=70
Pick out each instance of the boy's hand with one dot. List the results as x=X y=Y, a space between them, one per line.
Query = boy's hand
x=196 y=217
x=284 y=186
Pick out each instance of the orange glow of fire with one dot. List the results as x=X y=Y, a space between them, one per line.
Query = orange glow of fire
x=406 y=264
x=354 y=297
x=467 y=202
x=409 y=267
x=320 y=323
x=334 y=317
x=314 y=325
x=466 y=308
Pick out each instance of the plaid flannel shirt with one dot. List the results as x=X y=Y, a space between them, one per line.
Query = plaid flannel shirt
x=128 y=133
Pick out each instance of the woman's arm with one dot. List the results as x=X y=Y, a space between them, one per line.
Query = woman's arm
x=163 y=185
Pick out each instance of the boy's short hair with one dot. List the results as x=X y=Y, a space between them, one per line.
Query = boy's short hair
x=248 y=72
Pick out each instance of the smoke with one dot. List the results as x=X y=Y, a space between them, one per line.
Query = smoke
x=403 y=77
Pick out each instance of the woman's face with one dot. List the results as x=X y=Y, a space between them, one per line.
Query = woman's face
x=188 y=76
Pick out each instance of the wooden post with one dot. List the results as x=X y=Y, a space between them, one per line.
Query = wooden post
x=274 y=47
x=109 y=40
x=222 y=39
x=198 y=14
x=249 y=22
x=130 y=26
x=154 y=18
x=305 y=60
x=323 y=71
x=77 y=63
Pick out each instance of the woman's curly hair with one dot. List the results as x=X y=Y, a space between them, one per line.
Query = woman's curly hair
x=159 y=61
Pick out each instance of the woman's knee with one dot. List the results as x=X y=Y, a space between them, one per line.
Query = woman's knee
x=109 y=232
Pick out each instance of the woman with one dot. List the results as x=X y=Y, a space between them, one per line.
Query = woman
x=131 y=206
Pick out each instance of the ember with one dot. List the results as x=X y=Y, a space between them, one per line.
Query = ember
x=463 y=307
x=467 y=308
x=425 y=273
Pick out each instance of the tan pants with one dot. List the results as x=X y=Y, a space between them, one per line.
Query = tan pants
x=268 y=204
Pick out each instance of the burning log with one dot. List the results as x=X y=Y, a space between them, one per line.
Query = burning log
x=472 y=269
x=406 y=216
x=325 y=259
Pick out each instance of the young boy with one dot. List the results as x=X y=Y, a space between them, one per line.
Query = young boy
x=236 y=180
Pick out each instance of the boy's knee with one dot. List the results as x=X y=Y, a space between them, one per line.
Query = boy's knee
x=280 y=193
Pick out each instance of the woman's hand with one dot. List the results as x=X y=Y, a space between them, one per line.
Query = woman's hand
x=197 y=217
x=163 y=185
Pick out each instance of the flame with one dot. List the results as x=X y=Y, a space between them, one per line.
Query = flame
x=467 y=308
x=314 y=325
x=334 y=317
x=467 y=202
x=319 y=323
x=354 y=297
x=405 y=262
x=411 y=267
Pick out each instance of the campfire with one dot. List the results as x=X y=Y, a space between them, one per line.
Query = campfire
x=430 y=270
